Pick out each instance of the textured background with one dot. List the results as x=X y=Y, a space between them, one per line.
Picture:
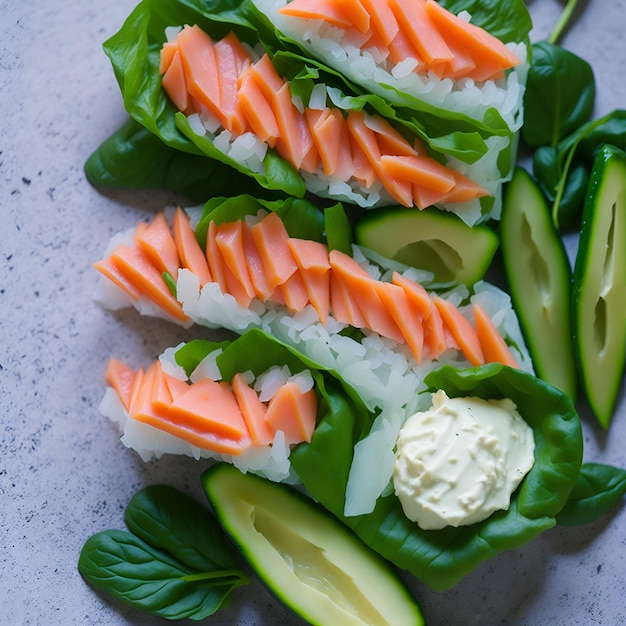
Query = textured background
x=63 y=473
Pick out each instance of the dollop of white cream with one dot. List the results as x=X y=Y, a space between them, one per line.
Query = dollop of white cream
x=461 y=460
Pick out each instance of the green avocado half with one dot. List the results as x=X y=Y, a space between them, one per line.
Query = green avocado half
x=431 y=240
x=310 y=561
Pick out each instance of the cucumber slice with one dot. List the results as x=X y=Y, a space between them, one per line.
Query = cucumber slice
x=314 y=564
x=539 y=277
x=431 y=240
x=599 y=288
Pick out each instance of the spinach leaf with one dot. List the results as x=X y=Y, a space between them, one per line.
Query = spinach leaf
x=133 y=157
x=598 y=489
x=557 y=169
x=507 y=20
x=441 y=558
x=559 y=97
x=134 y=52
x=176 y=562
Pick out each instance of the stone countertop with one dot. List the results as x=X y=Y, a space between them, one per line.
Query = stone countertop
x=64 y=475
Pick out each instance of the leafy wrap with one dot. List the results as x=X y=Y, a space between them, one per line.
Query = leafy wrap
x=440 y=558
x=135 y=54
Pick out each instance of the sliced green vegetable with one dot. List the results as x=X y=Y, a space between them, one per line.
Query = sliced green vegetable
x=599 y=287
x=176 y=562
x=539 y=277
x=431 y=240
x=337 y=229
x=314 y=564
x=597 y=491
x=441 y=558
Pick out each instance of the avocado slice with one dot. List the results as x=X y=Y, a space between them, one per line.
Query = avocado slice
x=599 y=284
x=310 y=561
x=539 y=277
x=431 y=240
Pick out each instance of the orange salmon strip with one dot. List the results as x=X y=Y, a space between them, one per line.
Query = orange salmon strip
x=461 y=330
x=253 y=411
x=493 y=345
x=121 y=378
x=189 y=251
x=293 y=412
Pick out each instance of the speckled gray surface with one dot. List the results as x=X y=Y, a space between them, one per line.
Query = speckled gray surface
x=63 y=473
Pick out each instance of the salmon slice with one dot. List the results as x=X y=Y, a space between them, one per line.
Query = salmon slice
x=189 y=251
x=326 y=138
x=419 y=28
x=293 y=293
x=363 y=290
x=492 y=343
x=382 y=19
x=167 y=53
x=255 y=265
x=423 y=197
x=229 y=240
x=266 y=77
x=235 y=288
x=404 y=314
x=210 y=406
x=201 y=74
x=160 y=396
x=345 y=310
x=158 y=244
x=461 y=330
x=461 y=65
x=175 y=84
x=108 y=269
x=231 y=60
x=421 y=170
x=314 y=268
x=214 y=258
x=295 y=141
x=253 y=411
x=121 y=378
x=485 y=49
x=465 y=189
x=436 y=340
x=135 y=390
x=292 y=412
x=401 y=48
x=356 y=12
x=362 y=169
x=146 y=278
x=257 y=110
x=272 y=242
x=389 y=140
x=367 y=140
x=416 y=293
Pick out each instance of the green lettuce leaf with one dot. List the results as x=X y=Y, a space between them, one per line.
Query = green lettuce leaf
x=441 y=558
x=134 y=52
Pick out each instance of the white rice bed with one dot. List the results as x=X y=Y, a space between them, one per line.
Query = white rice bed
x=364 y=67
